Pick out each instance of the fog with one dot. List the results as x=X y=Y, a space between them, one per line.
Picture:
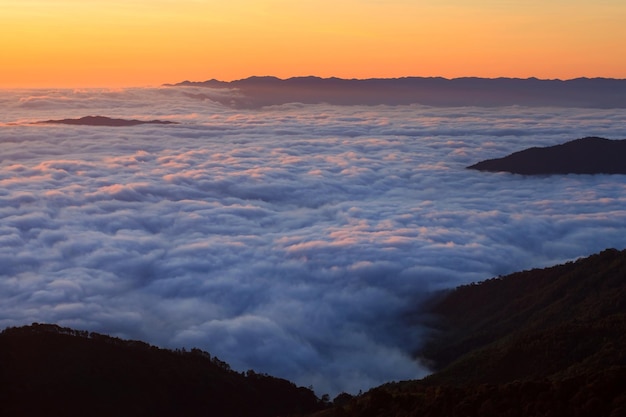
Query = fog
x=294 y=239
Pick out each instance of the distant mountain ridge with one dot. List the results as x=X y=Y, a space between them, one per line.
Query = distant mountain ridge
x=255 y=92
x=590 y=155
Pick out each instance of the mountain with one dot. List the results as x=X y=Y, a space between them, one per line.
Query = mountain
x=47 y=370
x=564 y=320
x=590 y=155
x=255 y=92
x=105 y=121
x=544 y=342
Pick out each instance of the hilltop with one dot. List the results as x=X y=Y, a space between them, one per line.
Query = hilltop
x=48 y=370
x=590 y=155
x=105 y=121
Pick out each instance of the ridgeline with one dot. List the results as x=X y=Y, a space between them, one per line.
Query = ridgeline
x=47 y=370
x=544 y=342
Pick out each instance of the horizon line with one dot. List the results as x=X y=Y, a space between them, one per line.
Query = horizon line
x=295 y=77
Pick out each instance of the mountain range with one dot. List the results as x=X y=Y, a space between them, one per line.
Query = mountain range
x=255 y=92
x=542 y=342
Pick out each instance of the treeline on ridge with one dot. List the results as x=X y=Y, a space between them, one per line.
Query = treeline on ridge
x=544 y=342
x=48 y=370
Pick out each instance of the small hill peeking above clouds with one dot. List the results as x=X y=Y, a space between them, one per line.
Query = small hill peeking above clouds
x=590 y=155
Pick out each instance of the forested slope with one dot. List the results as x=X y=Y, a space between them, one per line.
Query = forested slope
x=47 y=370
x=544 y=342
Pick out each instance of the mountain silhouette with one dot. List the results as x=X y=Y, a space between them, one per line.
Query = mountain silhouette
x=48 y=370
x=255 y=92
x=562 y=320
x=590 y=155
x=105 y=121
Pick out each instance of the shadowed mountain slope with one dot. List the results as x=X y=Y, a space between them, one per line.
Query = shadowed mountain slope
x=255 y=92
x=544 y=342
x=46 y=370
x=590 y=155
x=564 y=320
x=105 y=121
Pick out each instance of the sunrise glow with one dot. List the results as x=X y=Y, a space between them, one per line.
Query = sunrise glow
x=139 y=42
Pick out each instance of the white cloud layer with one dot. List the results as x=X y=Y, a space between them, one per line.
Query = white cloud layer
x=293 y=239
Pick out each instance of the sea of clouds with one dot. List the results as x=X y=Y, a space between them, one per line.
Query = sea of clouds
x=293 y=240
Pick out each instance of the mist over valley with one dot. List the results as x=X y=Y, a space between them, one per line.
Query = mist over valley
x=293 y=239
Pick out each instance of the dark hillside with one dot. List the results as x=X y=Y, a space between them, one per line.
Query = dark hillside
x=591 y=155
x=567 y=319
x=544 y=342
x=598 y=394
x=46 y=370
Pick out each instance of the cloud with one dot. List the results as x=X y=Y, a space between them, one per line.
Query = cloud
x=293 y=240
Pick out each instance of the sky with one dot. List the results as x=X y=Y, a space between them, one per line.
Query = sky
x=296 y=240
x=117 y=43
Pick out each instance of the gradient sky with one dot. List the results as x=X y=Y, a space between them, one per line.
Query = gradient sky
x=114 y=43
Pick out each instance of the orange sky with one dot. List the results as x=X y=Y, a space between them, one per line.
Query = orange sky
x=115 y=43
